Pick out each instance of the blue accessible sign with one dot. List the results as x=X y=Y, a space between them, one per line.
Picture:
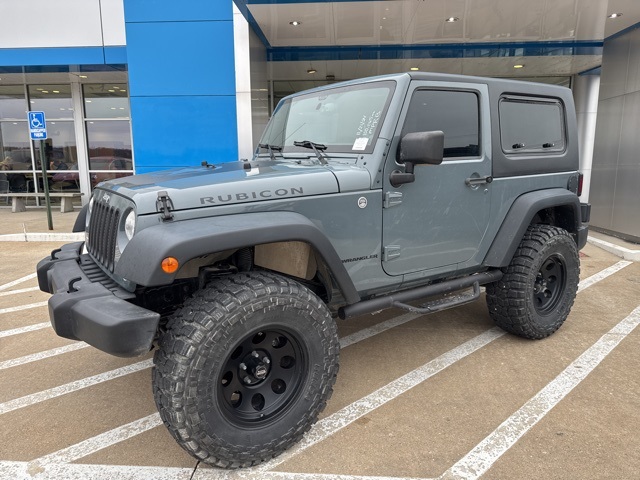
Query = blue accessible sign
x=37 y=126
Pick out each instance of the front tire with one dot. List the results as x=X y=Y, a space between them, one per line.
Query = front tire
x=244 y=368
x=536 y=293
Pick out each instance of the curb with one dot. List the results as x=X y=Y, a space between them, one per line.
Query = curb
x=42 y=237
x=622 y=252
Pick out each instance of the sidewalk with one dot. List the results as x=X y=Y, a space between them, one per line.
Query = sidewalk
x=32 y=225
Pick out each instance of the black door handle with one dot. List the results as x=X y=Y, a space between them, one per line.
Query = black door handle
x=475 y=181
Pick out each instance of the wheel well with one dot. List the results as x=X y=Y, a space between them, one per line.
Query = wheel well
x=562 y=216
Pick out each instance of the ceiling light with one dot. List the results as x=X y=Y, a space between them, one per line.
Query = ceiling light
x=88 y=101
x=83 y=76
x=111 y=91
x=295 y=23
x=452 y=19
x=519 y=65
x=311 y=71
x=56 y=91
x=45 y=91
x=414 y=69
x=614 y=15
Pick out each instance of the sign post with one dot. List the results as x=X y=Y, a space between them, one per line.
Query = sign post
x=38 y=131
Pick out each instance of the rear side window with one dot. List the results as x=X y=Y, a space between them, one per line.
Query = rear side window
x=531 y=125
x=455 y=113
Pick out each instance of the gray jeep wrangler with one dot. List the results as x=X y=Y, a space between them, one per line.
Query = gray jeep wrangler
x=361 y=196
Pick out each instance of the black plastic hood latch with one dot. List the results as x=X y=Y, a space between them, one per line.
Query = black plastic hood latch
x=164 y=205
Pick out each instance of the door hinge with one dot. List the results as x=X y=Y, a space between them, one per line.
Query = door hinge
x=390 y=252
x=392 y=199
x=164 y=205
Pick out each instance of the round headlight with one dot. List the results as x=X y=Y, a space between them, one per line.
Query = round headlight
x=130 y=224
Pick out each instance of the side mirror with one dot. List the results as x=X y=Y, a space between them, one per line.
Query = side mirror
x=422 y=148
x=418 y=148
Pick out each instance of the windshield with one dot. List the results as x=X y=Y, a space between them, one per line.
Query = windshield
x=344 y=119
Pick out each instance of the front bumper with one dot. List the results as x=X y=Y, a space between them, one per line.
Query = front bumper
x=87 y=305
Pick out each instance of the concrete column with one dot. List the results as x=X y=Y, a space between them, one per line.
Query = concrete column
x=585 y=93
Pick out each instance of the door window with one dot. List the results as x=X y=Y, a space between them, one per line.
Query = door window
x=456 y=113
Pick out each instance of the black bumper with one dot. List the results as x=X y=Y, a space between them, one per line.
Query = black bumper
x=87 y=305
x=583 y=230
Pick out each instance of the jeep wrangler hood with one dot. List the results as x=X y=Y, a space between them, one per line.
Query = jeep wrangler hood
x=234 y=182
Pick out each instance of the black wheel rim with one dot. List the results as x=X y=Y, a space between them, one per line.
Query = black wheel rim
x=549 y=284
x=261 y=378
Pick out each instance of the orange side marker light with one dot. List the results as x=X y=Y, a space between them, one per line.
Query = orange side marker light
x=170 y=265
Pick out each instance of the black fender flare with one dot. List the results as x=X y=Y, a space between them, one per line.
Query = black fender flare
x=519 y=218
x=141 y=260
x=81 y=220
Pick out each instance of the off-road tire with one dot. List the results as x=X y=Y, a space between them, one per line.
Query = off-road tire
x=535 y=295
x=209 y=347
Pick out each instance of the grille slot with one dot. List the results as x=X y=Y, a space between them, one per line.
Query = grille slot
x=103 y=232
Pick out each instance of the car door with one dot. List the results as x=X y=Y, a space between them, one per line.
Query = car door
x=440 y=219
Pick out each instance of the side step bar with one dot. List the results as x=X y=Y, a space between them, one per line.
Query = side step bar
x=399 y=299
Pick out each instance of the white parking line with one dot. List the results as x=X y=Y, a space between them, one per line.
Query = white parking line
x=22 y=290
x=42 y=355
x=27 y=400
x=26 y=471
x=22 y=307
x=28 y=328
x=587 y=282
x=104 y=440
x=488 y=451
x=16 y=282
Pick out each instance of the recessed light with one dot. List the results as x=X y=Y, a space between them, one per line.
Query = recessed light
x=414 y=69
x=88 y=101
x=311 y=71
x=519 y=65
x=56 y=91
x=113 y=108
x=83 y=76
x=614 y=15
x=452 y=19
x=45 y=91
x=111 y=91
x=295 y=23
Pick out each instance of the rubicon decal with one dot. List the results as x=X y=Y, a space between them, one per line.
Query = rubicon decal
x=244 y=196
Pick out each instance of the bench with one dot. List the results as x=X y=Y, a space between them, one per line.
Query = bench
x=18 y=199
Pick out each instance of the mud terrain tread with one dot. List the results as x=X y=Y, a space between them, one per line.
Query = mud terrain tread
x=206 y=319
x=509 y=300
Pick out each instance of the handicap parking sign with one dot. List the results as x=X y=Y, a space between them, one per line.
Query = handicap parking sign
x=37 y=126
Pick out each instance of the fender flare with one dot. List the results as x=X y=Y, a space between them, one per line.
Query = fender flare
x=184 y=240
x=519 y=218
x=81 y=220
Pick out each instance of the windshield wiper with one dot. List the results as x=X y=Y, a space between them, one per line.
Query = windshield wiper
x=317 y=148
x=270 y=148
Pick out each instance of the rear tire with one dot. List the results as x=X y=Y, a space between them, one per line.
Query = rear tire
x=536 y=293
x=244 y=368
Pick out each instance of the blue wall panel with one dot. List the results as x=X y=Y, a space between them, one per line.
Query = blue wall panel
x=181 y=82
x=176 y=11
x=183 y=131
x=181 y=58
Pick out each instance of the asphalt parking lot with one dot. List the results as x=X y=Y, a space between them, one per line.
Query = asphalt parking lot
x=441 y=396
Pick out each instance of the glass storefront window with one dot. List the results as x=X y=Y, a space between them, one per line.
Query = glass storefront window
x=15 y=153
x=106 y=100
x=109 y=145
x=12 y=102
x=53 y=100
x=60 y=148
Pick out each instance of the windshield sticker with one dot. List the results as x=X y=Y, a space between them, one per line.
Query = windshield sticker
x=368 y=124
x=360 y=143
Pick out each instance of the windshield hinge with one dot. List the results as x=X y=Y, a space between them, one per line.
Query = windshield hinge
x=164 y=205
x=392 y=199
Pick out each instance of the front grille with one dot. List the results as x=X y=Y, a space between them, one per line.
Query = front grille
x=103 y=233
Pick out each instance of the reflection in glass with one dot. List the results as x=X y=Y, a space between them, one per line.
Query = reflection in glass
x=12 y=102
x=109 y=145
x=53 y=100
x=60 y=148
x=97 y=177
x=106 y=100
x=14 y=146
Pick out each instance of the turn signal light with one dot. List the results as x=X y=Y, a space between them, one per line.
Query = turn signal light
x=170 y=265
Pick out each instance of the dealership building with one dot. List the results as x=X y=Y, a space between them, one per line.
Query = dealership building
x=135 y=86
